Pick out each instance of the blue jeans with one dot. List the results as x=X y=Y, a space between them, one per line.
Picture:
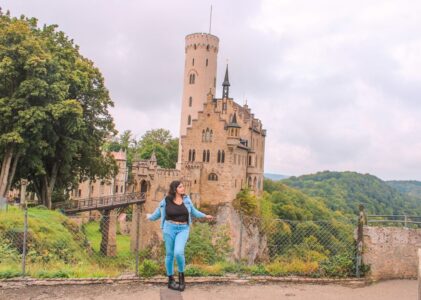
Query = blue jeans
x=175 y=237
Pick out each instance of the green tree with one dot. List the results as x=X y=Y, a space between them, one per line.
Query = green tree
x=164 y=145
x=55 y=106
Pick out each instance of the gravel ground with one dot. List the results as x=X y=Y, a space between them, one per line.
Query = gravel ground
x=385 y=290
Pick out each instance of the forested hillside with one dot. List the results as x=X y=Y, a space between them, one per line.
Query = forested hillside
x=344 y=191
x=411 y=187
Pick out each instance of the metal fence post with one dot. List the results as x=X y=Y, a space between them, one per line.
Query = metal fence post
x=25 y=234
x=360 y=240
x=241 y=234
x=138 y=214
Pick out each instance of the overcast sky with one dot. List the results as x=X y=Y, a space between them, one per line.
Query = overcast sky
x=337 y=84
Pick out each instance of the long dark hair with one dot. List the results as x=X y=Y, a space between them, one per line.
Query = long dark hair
x=173 y=189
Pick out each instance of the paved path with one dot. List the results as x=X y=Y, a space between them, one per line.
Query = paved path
x=386 y=290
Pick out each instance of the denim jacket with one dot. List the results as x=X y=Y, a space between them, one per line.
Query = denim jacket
x=160 y=211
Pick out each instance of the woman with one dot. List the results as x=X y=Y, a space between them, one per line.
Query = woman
x=175 y=211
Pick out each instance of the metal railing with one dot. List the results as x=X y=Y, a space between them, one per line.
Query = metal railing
x=102 y=202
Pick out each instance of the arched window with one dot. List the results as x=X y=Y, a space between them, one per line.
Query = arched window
x=210 y=136
x=193 y=155
x=219 y=156
x=204 y=156
x=192 y=62
x=195 y=47
x=190 y=101
x=207 y=137
x=249 y=160
x=223 y=156
x=193 y=78
x=203 y=136
x=213 y=177
x=116 y=189
x=207 y=155
x=207 y=47
x=189 y=155
x=189 y=120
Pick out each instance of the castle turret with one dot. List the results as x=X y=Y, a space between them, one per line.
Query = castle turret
x=201 y=52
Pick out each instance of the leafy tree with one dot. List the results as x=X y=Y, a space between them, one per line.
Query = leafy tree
x=164 y=145
x=55 y=106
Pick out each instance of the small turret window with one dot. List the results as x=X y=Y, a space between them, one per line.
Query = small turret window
x=192 y=63
x=190 y=101
x=189 y=120
x=207 y=62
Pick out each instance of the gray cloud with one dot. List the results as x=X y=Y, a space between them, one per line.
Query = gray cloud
x=336 y=83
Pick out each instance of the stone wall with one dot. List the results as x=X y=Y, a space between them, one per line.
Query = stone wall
x=391 y=252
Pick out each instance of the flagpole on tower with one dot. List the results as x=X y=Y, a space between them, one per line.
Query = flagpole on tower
x=210 y=20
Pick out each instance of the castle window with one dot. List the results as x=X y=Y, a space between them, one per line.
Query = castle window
x=193 y=155
x=207 y=61
x=190 y=155
x=189 y=120
x=80 y=193
x=92 y=189
x=190 y=101
x=249 y=160
x=223 y=156
x=211 y=134
x=192 y=62
x=219 y=156
x=116 y=189
x=207 y=47
x=207 y=155
x=204 y=156
x=195 y=47
x=121 y=189
x=192 y=78
x=213 y=177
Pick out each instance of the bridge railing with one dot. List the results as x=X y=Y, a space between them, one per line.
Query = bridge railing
x=102 y=202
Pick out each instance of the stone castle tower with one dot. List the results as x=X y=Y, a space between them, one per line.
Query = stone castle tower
x=201 y=53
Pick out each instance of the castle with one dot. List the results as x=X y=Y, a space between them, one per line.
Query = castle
x=222 y=144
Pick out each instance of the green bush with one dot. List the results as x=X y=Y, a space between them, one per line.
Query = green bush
x=57 y=274
x=246 y=203
x=10 y=274
x=149 y=268
x=192 y=270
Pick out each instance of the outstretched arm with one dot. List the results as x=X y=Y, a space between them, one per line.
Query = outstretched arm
x=197 y=213
x=155 y=215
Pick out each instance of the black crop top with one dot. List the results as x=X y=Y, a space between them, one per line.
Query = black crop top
x=175 y=212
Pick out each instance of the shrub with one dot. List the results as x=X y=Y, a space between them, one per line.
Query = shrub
x=149 y=268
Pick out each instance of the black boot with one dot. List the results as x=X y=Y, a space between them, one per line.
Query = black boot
x=182 y=283
x=172 y=284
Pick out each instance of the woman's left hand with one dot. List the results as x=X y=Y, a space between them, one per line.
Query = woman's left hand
x=209 y=217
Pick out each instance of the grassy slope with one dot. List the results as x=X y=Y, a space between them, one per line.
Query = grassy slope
x=57 y=247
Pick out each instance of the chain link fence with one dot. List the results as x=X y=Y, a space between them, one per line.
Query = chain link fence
x=43 y=243
x=48 y=244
